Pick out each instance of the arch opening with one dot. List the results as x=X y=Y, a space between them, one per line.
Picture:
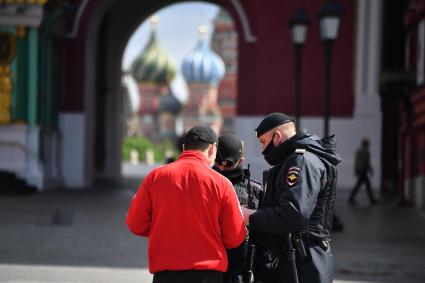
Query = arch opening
x=113 y=106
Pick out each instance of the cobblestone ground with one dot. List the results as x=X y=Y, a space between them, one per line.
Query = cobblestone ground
x=80 y=236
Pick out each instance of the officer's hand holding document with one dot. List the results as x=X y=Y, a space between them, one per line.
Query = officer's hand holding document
x=246 y=212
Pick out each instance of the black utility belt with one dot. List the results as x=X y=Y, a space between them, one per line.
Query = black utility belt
x=302 y=243
x=300 y=246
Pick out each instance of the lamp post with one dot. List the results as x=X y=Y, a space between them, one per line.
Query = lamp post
x=299 y=27
x=329 y=16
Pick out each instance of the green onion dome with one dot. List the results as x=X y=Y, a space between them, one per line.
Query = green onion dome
x=153 y=64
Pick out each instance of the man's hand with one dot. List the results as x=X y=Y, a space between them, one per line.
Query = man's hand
x=246 y=212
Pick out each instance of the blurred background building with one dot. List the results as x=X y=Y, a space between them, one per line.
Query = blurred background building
x=62 y=94
x=225 y=43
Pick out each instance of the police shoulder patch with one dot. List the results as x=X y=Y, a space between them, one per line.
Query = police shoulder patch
x=293 y=176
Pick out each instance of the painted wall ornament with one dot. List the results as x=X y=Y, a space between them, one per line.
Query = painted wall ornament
x=7 y=53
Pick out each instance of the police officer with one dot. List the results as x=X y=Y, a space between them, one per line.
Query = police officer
x=298 y=200
x=229 y=162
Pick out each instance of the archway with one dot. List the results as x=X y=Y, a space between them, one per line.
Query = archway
x=108 y=33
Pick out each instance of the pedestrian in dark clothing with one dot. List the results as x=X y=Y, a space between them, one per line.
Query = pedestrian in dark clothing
x=362 y=168
x=229 y=163
x=298 y=201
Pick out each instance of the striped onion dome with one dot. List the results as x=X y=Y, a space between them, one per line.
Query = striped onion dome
x=202 y=65
x=153 y=64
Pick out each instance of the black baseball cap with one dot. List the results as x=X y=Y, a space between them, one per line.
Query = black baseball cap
x=272 y=121
x=229 y=149
x=201 y=133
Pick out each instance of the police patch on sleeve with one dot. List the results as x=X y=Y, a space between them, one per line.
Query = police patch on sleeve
x=293 y=176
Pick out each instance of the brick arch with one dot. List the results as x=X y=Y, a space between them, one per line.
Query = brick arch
x=92 y=57
x=88 y=20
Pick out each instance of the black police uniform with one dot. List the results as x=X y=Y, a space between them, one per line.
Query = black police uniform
x=299 y=196
x=229 y=151
x=249 y=193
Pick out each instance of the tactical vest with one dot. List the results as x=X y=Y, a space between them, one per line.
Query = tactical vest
x=320 y=222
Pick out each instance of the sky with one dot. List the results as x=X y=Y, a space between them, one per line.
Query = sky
x=177 y=33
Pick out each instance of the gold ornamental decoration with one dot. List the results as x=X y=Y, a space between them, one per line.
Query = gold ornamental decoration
x=5 y=94
x=7 y=53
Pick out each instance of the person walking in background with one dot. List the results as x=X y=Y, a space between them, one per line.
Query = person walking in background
x=362 y=168
x=190 y=213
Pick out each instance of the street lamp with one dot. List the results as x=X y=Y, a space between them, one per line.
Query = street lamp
x=299 y=27
x=329 y=16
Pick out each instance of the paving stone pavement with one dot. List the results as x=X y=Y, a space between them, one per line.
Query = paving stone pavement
x=80 y=236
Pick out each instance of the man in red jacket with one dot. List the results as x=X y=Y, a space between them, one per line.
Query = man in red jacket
x=190 y=213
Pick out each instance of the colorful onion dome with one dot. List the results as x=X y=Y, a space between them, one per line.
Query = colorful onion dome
x=153 y=64
x=202 y=65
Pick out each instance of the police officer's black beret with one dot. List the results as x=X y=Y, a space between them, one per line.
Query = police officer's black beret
x=201 y=133
x=271 y=121
x=229 y=149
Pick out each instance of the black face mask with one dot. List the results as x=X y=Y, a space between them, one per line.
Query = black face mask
x=234 y=175
x=268 y=153
x=275 y=154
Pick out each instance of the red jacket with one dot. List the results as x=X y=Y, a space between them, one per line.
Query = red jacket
x=190 y=213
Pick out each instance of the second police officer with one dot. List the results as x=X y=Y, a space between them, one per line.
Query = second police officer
x=298 y=200
x=229 y=162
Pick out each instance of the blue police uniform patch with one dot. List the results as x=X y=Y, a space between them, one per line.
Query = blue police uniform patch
x=293 y=176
